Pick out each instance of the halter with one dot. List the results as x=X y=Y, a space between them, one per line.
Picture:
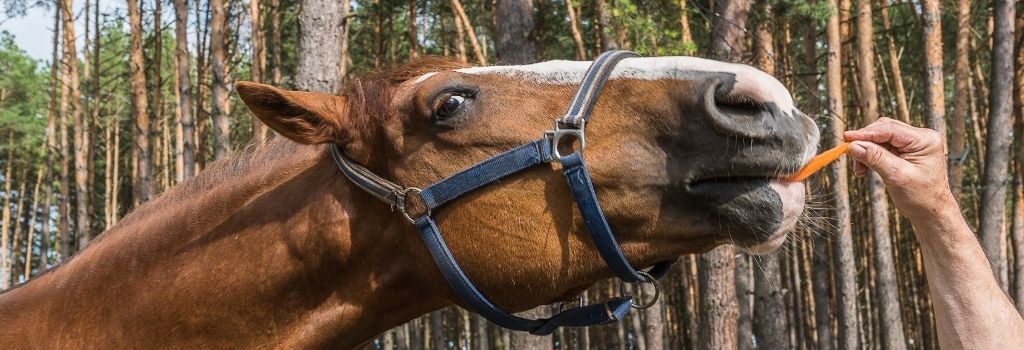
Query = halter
x=543 y=150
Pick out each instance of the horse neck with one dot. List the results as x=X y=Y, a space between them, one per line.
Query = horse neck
x=285 y=255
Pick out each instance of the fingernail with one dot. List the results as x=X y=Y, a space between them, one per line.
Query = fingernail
x=857 y=151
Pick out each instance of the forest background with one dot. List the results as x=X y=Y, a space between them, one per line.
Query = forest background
x=137 y=96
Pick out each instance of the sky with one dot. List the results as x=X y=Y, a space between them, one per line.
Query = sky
x=34 y=31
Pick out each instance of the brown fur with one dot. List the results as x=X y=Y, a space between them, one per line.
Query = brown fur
x=274 y=248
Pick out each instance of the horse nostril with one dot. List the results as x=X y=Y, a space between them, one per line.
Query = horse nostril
x=741 y=106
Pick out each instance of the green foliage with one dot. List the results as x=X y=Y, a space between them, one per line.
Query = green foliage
x=24 y=97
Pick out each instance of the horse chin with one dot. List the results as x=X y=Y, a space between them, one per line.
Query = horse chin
x=792 y=198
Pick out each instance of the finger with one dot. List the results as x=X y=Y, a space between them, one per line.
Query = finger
x=897 y=134
x=876 y=157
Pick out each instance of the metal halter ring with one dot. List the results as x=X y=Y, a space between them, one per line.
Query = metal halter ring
x=556 y=134
x=403 y=204
x=648 y=279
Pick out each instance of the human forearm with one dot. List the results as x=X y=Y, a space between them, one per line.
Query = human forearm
x=973 y=311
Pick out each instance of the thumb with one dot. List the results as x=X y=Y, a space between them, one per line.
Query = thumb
x=875 y=157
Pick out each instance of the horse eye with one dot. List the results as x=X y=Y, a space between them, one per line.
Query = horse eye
x=449 y=107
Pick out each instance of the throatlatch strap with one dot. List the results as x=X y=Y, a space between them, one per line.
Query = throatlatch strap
x=590 y=315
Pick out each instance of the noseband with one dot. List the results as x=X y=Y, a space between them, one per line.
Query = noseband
x=544 y=150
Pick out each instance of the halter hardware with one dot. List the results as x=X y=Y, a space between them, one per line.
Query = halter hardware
x=402 y=202
x=540 y=151
x=555 y=135
x=638 y=303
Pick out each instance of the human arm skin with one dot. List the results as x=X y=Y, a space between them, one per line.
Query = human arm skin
x=971 y=311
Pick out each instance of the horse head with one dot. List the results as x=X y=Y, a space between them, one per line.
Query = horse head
x=685 y=154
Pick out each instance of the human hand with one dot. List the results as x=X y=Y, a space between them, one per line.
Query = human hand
x=910 y=160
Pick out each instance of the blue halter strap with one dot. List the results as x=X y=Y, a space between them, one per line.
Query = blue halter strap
x=543 y=150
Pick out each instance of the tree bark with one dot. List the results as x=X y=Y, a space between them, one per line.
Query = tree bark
x=685 y=35
x=844 y=260
x=346 y=7
x=654 y=322
x=143 y=182
x=604 y=26
x=481 y=58
x=275 y=42
x=64 y=203
x=993 y=195
x=460 y=38
x=961 y=99
x=513 y=43
x=934 y=100
x=888 y=294
x=319 y=40
x=186 y=150
x=902 y=111
x=30 y=235
x=219 y=85
x=5 y=217
x=259 y=60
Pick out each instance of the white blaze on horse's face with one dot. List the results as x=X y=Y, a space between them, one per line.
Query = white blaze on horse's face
x=750 y=81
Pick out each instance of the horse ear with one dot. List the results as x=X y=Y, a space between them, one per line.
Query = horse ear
x=305 y=117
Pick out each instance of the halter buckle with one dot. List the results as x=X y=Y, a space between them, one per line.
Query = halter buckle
x=403 y=205
x=556 y=134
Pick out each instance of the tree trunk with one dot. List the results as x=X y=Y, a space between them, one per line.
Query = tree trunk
x=5 y=218
x=437 y=337
x=744 y=303
x=574 y=27
x=258 y=60
x=318 y=61
x=460 y=38
x=685 y=35
x=844 y=260
x=961 y=99
x=513 y=42
x=186 y=149
x=603 y=26
x=902 y=111
x=64 y=205
x=993 y=195
x=275 y=42
x=934 y=100
x=219 y=85
x=143 y=182
x=80 y=125
x=343 y=65
x=157 y=100
x=654 y=322
x=729 y=35
x=30 y=235
x=888 y=294
x=481 y=58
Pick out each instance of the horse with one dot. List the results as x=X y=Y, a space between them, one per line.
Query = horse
x=273 y=247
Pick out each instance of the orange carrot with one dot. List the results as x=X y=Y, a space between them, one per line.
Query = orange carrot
x=818 y=162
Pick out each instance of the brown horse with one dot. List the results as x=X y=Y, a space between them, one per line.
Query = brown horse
x=275 y=248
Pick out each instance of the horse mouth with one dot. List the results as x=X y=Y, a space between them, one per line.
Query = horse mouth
x=756 y=212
